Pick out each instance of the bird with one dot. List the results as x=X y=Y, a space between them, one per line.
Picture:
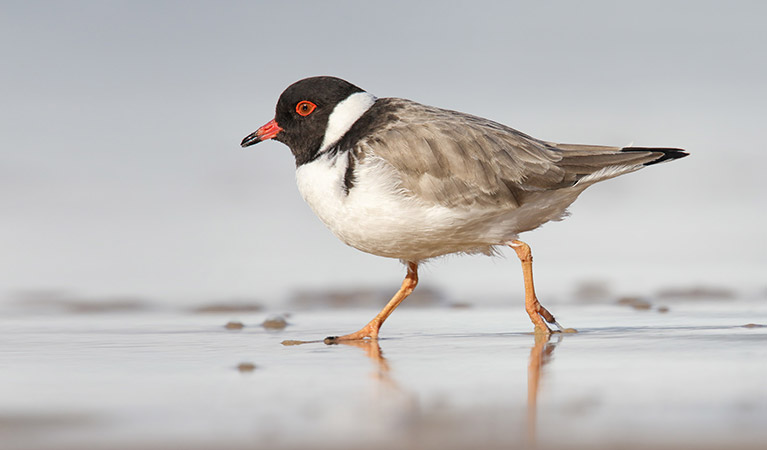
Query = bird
x=399 y=179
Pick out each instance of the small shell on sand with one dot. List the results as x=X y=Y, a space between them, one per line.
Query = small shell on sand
x=246 y=367
x=275 y=323
x=233 y=325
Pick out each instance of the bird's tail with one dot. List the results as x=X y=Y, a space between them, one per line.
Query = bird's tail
x=591 y=163
x=662 y=154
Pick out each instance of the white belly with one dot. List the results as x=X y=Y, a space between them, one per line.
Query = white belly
x=377 y=217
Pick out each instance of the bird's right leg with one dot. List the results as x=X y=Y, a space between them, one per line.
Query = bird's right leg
x=534 y=309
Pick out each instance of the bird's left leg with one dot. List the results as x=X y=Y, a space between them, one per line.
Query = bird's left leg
x=370 y=331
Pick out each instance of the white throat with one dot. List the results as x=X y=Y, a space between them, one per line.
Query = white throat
x=344 y=115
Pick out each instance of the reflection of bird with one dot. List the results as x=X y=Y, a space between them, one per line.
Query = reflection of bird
x=540 y=355
x=399 y=179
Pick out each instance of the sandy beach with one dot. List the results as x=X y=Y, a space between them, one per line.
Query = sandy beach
x=671 y=374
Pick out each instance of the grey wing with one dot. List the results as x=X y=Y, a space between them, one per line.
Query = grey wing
x=455 y=159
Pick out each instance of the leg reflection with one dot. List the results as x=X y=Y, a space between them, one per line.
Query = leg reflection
x=540 y=355
x=373 y=352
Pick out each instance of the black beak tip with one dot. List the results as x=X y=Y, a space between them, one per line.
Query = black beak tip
x=250 y=140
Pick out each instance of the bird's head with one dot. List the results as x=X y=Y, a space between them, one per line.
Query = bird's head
x=313 y=114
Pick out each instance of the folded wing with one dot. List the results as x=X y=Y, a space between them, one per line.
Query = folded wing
x=455 y=159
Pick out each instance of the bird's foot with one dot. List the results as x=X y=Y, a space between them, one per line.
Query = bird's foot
x=369 y=332
x=543 y=315
x=544 y=330
x=560 y=328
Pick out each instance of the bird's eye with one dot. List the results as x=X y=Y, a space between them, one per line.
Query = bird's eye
x=304 y=108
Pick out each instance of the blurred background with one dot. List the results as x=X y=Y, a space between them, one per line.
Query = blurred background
x=121 y=173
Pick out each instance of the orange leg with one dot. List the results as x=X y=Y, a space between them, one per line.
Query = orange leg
x=534 y=309
x=370 y=331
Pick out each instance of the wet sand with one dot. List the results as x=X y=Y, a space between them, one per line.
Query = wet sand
x=690 y=377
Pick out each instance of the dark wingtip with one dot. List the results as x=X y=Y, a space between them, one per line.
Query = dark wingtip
x=666 y=153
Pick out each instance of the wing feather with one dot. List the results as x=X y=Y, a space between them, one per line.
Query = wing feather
x=455 y=159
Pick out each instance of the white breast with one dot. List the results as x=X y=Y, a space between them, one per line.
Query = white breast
x=377 y=217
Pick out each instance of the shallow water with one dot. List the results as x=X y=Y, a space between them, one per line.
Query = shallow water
x=439 y=378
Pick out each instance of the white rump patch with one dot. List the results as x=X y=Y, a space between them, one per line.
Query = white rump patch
x=344 y=115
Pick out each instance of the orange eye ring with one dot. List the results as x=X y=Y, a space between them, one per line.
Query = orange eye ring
x=305 y=107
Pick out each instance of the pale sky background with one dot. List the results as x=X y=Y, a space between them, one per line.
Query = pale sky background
x=120 y=122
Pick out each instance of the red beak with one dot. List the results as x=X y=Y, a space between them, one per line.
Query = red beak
x=264 y=133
